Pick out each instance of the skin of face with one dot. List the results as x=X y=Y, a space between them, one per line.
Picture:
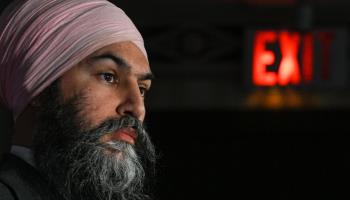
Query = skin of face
x=113 y=81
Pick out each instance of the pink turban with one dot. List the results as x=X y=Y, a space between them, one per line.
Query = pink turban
x=42 y=39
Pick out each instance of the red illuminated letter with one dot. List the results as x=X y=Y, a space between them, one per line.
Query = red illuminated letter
x=262 y=58
x=288 y=71
x=308 y=56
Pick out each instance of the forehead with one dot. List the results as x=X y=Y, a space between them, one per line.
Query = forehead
x=129 y=52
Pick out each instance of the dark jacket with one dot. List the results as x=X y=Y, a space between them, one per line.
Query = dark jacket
x=21 y=181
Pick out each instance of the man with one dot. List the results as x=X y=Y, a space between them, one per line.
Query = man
x=74 y=74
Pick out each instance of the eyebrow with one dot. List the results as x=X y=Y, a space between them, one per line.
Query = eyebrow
x=147 y=76
x=115 y=58
x=122 y=63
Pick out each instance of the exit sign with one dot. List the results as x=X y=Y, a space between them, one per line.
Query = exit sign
x=286 y=57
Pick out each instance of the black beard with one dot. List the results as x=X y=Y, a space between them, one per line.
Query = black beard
x=77 y=165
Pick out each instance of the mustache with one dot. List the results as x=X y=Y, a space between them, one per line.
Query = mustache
x=114 y=124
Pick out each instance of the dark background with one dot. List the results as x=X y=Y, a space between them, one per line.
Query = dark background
x=213 y=143
x=252 y=154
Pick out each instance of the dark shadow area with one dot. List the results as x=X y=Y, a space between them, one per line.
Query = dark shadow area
x=6 y=124
x=252 y=154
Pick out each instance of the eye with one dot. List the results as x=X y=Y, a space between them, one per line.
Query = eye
x=143 y=91
x=108 y=77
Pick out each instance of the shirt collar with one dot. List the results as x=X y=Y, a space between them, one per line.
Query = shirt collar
x=24 y=153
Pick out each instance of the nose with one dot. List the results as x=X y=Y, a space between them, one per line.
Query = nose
x=132 y=103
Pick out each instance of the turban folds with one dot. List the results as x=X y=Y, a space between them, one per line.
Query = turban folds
x=42 y=39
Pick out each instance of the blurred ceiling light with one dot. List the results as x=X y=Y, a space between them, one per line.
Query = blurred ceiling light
x=279 y=98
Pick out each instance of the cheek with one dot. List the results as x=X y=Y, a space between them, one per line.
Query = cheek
x=99 y=104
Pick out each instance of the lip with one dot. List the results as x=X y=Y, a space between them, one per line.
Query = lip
x=125 y=134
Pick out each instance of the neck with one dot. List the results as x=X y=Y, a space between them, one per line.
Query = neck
x=24 y=128
x=6 y=124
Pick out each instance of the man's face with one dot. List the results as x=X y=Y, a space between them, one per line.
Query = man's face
x=90 y=142
x=113 y=81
